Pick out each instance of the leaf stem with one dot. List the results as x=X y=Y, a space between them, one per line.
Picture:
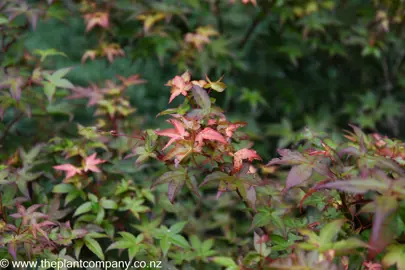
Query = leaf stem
x=259 y=230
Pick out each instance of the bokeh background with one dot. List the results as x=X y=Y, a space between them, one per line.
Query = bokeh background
x=287 y=64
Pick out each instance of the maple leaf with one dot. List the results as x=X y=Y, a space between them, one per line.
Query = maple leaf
x=197 y=40
x=230 y=128
x=150 y=19
x=242 y=154
x=29 y=215
x=15 y=85
x=201 y=37
x=69 y=169
x=200 y=83
x=93 y=93
x=180 y=85
x=97 y=18
x=176 y=133
x=131 y=80
x=91 y=162
x=89 y=54
x=37 y=227
x=207 y=31
x=22 y=8
x=209 y=134
x=111 y=51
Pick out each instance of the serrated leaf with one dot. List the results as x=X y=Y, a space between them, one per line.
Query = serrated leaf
x=179 y=240
x=94 y=247
x=84 y=208
x=177 y=227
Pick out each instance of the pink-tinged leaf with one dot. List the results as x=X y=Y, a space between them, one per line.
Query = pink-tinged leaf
x=179 y=127
x=230 y=129
x=91 y=162
x=176 y=180
x=69 y=169
x=219 y=193
x=298 y=174
x=288 y=157
x=381 y=235
x=12 y=249
x=168 y=177
x=216 y=176
x=241 y=155
x=179 y=152
x=173 y=189
x=251 y=196
x=211 y=135
x=201 y=98
x=357 y=186
x=353 y=151
x=178 y=133
x=180 y=85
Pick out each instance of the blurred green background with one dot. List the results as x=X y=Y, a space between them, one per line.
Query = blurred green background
x=287 y=64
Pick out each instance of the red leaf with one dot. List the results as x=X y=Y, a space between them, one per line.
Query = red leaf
x=180 y=85
x=381 y=235
x=69 y=168
x=242 y=154
x=91 y=162
x=176 y=133
x=209 y=134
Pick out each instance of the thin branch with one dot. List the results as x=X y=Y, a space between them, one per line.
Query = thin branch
x=217 y=11
x=256 y=21
x=10 y=125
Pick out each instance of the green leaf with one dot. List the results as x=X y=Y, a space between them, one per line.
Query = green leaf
x=179 y=240
x=348 y=244
x=94 y=247
x=330 y=231
x=395 y=256
x=176 y=228
x=49 y=90
x=108 y=204
x=3 y=20
x=218 y=86
x=57 y=80
x=49 y=52
x=8 y=193
x=63 y=188
x=225 y=261
x=165 y=244
x=84 y=208
x=61 y=72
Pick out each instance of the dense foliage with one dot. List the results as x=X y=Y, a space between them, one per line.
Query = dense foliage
x=87 y=172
